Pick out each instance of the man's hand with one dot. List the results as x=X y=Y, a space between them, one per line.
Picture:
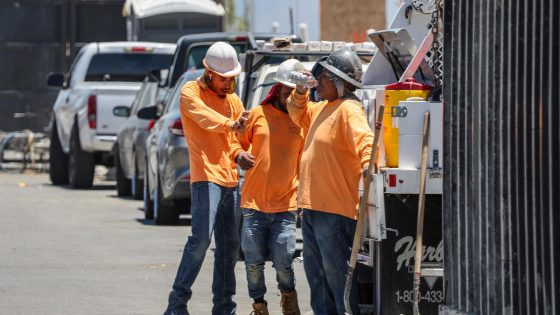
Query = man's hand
x=245 y=160
x=239 y=124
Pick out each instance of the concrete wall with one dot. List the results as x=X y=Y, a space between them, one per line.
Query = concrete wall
x=348 y=20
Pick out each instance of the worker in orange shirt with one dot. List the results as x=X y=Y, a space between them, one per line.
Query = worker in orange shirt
x=268 y=196
x=337 y=149
x=211 y=113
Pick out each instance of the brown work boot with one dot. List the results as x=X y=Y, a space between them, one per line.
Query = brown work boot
x=289 y=303
x=259 y=309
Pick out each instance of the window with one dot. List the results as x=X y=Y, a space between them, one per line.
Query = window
x=125 y=67
x=197 y=53
x=266 y=86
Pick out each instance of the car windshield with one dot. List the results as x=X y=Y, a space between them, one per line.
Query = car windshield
x=267 y=85
x=125 y=67
x=197 y=53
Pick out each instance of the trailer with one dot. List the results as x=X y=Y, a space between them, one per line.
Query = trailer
x=167 y=20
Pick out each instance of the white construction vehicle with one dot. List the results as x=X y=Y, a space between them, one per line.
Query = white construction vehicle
x=386 y=259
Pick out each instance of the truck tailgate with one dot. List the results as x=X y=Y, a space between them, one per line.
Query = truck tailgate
x=108 y=97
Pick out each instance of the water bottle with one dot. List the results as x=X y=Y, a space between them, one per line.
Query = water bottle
x=302 y=79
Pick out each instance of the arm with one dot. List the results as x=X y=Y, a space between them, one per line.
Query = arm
x=242 y=139
x=299 y=110
x=359 y=134
x=205 y=117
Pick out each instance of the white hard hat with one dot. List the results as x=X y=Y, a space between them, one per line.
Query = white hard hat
x=283 y=72
x=221 y=58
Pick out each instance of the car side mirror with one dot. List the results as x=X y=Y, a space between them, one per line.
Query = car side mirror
x=55 y=80
x=121 y=111
x=150 y=112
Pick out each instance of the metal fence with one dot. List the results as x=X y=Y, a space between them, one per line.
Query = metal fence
x=42 y=36
x=502 y=138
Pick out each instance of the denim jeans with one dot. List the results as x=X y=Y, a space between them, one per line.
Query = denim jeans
x=327 y=245
x=268 y=236
x=213 y=209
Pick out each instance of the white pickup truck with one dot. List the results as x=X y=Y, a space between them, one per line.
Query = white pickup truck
x=103 y=77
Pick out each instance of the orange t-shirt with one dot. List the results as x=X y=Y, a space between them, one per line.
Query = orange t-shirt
x=276 y=142
x=337 y=148
x=206 y=119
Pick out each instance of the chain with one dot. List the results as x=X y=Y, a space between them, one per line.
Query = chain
x=436 y=55
x=417 y=5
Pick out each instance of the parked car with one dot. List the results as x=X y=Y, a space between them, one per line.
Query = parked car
x=84 y=128
x=131 y=139
x=167 y=169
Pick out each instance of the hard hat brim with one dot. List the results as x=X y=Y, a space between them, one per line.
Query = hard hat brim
x=232 y=73
x=341 y=74
x=286 y=83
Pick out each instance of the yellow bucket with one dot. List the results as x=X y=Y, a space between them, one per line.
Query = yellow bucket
x=394 y=93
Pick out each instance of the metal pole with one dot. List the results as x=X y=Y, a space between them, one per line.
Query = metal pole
x=420 y=222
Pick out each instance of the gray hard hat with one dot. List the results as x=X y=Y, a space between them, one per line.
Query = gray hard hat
x=344 y=64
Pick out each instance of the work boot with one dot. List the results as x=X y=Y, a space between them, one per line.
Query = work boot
x=259 y=309
x=289 y=303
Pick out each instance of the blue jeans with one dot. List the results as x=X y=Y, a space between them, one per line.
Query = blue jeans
x=327 y=245
x=268 y=236
x=213 y=209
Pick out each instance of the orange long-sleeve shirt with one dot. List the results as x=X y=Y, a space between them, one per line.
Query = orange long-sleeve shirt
x=337 y=148
x=206 y=119
x=276 y=142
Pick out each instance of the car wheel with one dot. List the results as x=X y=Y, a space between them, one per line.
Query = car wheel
x=136 y=183
x=165 y=212
x=123 y=183
x=81 y=164
x=148 y=202
x=58 y=161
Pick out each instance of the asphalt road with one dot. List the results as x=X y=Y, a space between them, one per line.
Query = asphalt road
x=80 y=252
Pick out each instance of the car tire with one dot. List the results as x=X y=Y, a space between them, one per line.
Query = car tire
x=123 y=183
x=81 y=164
x=148 y=202
x=58 y=160
x=165 y=212
x=136 y=183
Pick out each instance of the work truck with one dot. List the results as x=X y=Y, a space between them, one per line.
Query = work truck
x=83 y=126
x=402 y=80
x=404 y=206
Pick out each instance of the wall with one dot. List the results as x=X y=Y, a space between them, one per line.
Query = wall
x=349 y=20
x=501 y=186
x=43 y=37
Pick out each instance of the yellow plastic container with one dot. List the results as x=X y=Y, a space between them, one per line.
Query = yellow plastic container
x=394 y=93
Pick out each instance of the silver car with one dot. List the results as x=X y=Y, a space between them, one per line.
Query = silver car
x=130 y=147
x=167 y=169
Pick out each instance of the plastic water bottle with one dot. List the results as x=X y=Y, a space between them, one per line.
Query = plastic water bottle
x=302 y=79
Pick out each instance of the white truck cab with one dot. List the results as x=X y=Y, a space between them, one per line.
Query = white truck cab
x=84 y=128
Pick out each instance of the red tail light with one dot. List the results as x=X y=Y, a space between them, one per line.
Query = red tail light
x=176 y=127
x=240 y=38
x=151 y=124
x=92 y=111
x=392 y=180
x=139 y=49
